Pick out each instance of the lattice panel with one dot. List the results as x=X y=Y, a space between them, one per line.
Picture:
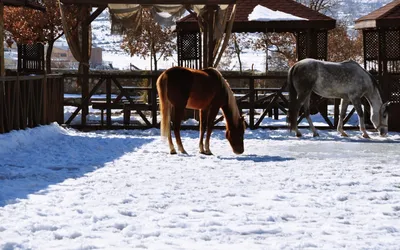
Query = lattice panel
x=372 y=66
x=301 y=45
x=393 y=66
x=189 y=49
x=322 y=45
x=31 y=58
x=395 y=90
x=371 y=49
x=392 y=44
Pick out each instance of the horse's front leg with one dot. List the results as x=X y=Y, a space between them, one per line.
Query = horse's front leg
x=212 y=113
x=360 y=112
x=203 y=125
x=343 y=110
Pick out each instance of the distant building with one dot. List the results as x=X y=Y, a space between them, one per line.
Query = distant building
x=62 y=57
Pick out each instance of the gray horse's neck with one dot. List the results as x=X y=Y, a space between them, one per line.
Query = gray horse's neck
x=375 y=101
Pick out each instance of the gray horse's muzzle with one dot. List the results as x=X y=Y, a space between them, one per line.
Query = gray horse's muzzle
x=383 y=131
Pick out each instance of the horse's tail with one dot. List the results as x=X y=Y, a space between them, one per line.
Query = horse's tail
x=292 y=111
x=165 y=105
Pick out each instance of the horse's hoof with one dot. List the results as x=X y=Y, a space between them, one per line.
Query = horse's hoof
x=173 y=152
x=366 y=136
x=184 y=152
x=298 y=135
x=206 y=153
x=315 y=135
x=344 y=134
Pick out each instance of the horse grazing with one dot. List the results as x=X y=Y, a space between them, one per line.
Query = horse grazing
x=205 y=90
x=346 y=80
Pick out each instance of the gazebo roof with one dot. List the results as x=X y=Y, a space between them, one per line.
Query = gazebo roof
x=27 y=3
x=315 y=20
x=384 y=17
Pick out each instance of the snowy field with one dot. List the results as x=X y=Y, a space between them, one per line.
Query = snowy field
x=64 y=189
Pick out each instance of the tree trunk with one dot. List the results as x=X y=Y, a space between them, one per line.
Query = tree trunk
x=155 y=61
x=48 y=56
x=266 y=53
x=237 y=50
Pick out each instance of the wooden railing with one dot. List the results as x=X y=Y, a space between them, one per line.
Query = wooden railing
x=30 y=101
x=255 y=99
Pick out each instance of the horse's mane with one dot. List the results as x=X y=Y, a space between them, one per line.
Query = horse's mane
x=231 y=98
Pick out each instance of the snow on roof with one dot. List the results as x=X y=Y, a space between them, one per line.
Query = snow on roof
x=264 y=14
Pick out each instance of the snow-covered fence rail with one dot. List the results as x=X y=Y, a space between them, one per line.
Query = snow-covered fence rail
x=30 y=101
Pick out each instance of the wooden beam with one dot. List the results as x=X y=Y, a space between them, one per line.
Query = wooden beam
x=147 y=2
x=96 y=13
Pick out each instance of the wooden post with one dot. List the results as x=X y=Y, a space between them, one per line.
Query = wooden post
x=2 y=67
x=154 y=100
x=252 y=100
x=2 y=70
x=85 y=63
x=205 y=42
x=108 y=100
x=210 y=39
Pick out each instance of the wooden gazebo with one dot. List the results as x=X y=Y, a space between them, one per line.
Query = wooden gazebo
x=15 y=3
x=210 y=5
x=311 y=34
x=381 y=37
x=28 y=101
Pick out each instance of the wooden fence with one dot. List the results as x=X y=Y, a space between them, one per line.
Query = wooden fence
x=30 y=101
x=258 y=97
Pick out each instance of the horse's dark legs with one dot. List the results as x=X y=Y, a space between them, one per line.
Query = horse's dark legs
x=203 y=125
x=308 y=117
x=360 y=112
x=343 y=110
x=177 y=119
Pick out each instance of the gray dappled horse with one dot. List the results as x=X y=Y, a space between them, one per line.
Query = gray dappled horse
x=346 y=80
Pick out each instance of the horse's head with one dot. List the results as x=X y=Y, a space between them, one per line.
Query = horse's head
x=235 y=135
x=380 y=119
x=383 y=119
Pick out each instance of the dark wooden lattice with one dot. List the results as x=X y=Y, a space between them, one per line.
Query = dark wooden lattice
x=395 y=90
x=371 y=39
x=392 y=50
x=301 y=45
x=31 y=58
x=382 y=58
x=313 y=44
x=322 y=45
x=189 y=49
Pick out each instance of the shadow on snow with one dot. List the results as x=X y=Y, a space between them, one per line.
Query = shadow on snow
x=259 y=158
x=53 y=160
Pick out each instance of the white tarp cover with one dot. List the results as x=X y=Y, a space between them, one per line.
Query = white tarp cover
x=128 y=16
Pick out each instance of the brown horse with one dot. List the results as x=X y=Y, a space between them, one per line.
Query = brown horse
x=205 y=90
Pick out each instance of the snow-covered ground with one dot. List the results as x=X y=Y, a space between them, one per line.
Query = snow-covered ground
x=64 y=189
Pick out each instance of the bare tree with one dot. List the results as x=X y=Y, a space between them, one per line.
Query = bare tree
x=238 y=42
x=151 y=40
x=322 y=6
x=344 y=46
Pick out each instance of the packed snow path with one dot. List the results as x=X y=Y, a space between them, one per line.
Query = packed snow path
x=63 y=189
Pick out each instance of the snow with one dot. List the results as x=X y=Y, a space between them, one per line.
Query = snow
x=65 y=189
x=264 y=14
